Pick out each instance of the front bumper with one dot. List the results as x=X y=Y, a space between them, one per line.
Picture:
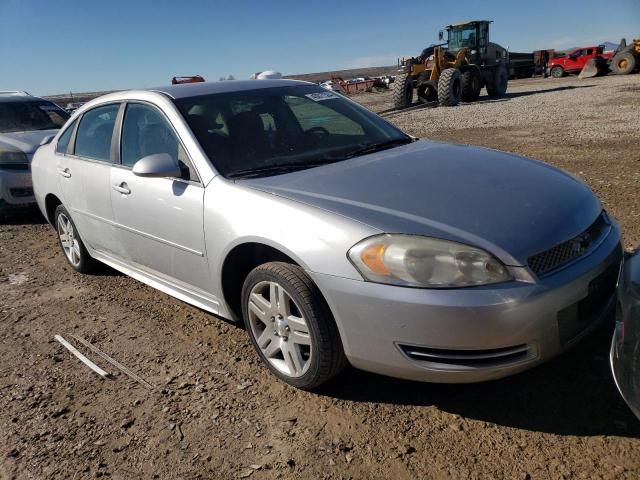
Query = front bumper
x=472 y=334
x=16 y=189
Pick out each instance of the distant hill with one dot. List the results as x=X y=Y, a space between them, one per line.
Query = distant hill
x=346 y=74
x=66 y=98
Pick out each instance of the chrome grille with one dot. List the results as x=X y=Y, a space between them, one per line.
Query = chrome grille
x=549 y=260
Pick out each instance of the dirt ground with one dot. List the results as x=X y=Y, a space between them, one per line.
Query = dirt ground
x=215 y=412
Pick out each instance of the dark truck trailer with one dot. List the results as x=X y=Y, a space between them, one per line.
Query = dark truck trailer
x=525 y=65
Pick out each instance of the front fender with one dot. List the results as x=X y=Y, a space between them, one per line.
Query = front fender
x=316 y=239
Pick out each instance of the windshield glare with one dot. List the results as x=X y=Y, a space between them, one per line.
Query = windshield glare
x=295 y=126
x=27 y=116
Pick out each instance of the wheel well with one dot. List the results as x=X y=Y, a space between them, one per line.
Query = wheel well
x=239 y=262
x=51 y=202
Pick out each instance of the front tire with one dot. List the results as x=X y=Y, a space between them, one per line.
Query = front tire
x=557 y=72
x=471 y=85
x=291 y=326
x=72 y=246
x=498 y=86
x=623 y=63
x=403 y=91
x=450 y=87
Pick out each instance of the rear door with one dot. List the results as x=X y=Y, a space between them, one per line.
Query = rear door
x=160 y=220
x=84 y=159
x=94 y=152
x=69 y=170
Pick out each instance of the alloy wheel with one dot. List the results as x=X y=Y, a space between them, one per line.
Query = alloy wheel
x=279 y=328
x=68 y=239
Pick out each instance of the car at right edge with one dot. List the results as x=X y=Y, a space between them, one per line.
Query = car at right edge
x=625 y=345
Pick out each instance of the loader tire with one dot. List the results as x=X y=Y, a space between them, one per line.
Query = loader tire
x=427 y=91
x=497 y=87
x=450 y=87
x=403 y=91
x=623 y=63
x=471 y=85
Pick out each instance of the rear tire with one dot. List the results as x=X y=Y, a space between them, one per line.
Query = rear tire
x=291 y=326
x=450 y=87
x=557 y=72
x=499 y=83
x=403 y=91
x=471 y=85
x=70 y=242
x=623 y=63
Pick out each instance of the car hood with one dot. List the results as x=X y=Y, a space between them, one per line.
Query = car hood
x=27 y=142
x=509 y=205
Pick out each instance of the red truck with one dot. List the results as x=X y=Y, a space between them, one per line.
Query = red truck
x=574 y=61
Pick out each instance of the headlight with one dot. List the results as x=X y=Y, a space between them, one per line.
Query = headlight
x=416 y=261
x=9 y=158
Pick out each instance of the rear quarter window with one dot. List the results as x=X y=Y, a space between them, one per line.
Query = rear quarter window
x=63 y=142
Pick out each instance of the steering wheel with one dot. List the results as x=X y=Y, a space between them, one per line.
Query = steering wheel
x=320 y=131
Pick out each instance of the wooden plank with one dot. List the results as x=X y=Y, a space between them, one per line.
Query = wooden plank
x=113 y=362
x=81 y=357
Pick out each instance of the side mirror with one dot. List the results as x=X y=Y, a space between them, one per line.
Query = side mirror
x=158 y=165
x=47 y=140
x=440 y=35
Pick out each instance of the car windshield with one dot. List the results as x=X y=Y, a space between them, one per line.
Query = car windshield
x=21 y=116
x=275 y=130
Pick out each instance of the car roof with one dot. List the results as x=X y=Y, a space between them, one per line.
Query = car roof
x=14 y=98
x=206 y=88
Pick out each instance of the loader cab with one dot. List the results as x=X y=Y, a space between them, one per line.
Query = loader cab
x=472 y=35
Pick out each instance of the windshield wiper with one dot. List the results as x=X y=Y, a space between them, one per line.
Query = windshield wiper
x=276 y=169
x=376 y=147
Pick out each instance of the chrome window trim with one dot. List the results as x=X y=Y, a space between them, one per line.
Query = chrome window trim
x=72 y=140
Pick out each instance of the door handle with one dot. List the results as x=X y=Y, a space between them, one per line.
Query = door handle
x=64 y=172
x=122 y=188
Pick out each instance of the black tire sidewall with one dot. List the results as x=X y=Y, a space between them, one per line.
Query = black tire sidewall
x=471 y=85
x=86 y=262
x=402 y=91
x=450 y=87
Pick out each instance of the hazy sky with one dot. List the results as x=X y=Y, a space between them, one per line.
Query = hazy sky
x=56 y=46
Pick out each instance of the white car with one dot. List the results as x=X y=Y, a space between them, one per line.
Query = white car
x=332 y=86
x=25 y=121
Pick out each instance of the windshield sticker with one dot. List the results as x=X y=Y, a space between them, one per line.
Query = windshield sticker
x=320 y=96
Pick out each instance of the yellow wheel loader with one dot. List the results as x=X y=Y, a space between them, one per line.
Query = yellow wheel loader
x=456 y=70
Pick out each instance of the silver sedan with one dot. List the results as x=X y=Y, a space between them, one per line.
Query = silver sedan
x=334 y=236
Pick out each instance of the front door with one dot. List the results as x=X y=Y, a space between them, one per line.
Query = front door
x=160 y=220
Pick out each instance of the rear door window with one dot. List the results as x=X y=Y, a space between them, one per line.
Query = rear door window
x=95 y=132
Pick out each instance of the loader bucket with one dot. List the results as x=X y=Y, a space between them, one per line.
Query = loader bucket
x=592 y=68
